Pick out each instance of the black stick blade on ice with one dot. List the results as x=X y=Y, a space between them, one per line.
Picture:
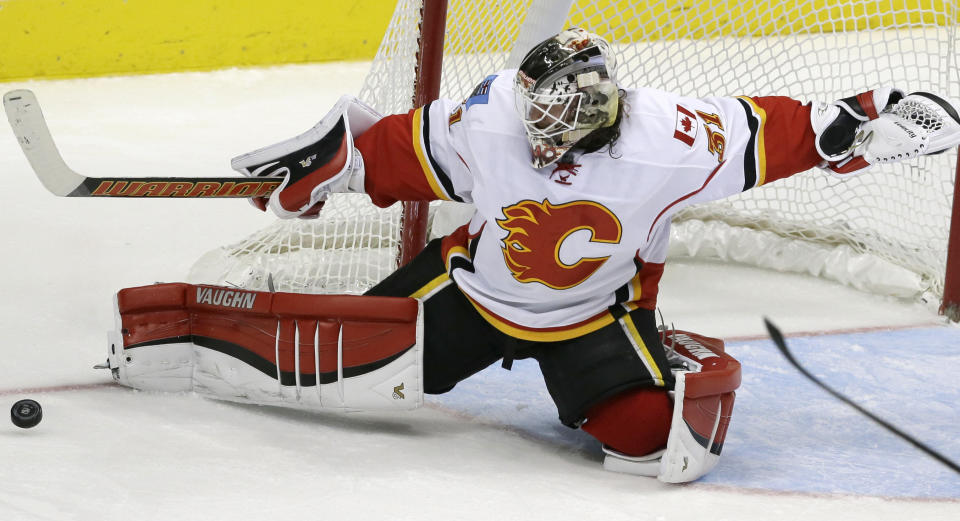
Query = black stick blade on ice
x=777 y=337
x=30 y=128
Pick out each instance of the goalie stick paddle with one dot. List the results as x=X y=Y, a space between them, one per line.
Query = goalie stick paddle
x=777 y=337
x=30 y=128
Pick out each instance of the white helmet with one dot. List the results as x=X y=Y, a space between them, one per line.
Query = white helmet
x=565 y=89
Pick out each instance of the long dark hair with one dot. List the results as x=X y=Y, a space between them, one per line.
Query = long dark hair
x=605 y=136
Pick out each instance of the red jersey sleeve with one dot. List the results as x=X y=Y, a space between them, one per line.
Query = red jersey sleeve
x=785 y=137
x=392 y=162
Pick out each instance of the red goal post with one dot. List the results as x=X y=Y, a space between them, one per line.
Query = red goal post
x=950 y=304
x=427 y=88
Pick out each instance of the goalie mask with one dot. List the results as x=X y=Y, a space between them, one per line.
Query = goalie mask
x=565 y=89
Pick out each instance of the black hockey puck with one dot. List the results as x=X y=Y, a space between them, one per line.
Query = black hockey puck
x=26 y=414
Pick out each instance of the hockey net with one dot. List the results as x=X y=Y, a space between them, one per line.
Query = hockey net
x=886 y=231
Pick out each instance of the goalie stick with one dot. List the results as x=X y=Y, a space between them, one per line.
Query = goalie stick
x=777 y=337
x=30 y=128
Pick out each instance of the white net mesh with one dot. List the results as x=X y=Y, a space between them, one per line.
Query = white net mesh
x=352 y=247
x=812 y=50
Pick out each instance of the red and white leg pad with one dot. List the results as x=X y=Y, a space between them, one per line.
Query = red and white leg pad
x=706 y=378
x=343 y=352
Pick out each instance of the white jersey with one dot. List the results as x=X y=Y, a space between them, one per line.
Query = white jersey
x=553 y=249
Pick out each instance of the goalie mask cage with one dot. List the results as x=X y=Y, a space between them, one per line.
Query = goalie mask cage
x=885 y=231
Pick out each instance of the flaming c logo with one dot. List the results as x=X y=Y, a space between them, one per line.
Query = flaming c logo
x=536 y=232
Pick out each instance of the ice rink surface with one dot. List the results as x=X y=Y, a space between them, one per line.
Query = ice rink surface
x=490 y=449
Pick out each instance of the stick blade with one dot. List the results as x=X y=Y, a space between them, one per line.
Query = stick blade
x=30 y=128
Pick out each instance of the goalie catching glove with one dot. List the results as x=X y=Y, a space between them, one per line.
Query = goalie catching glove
x=314 y=164
x=344 y=352
x=883 y=126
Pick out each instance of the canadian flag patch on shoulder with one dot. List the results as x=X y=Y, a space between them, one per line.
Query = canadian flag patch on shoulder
x=687 y=125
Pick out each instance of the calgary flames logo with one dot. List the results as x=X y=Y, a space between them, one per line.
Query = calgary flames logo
x=536 y=232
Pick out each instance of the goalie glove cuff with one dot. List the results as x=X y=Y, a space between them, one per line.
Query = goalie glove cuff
x=837 y=124
x=868 y=105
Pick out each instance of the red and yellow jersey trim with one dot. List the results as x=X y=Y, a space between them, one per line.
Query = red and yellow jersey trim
x=440 y=183
x=552 y=334
x=457 y=246
x=456 y=251
x=421 y=153
x=760 y=140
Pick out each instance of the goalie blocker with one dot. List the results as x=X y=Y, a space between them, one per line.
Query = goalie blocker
x=342 y=352
x=321 y=161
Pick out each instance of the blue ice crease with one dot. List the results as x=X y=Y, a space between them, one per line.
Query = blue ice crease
x=787 y=434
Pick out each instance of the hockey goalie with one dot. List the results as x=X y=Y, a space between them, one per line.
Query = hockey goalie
x=574 y=179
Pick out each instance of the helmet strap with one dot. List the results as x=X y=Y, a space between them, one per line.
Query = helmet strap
x=572 y=136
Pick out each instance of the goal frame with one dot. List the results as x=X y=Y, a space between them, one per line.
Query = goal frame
x=950 y=306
